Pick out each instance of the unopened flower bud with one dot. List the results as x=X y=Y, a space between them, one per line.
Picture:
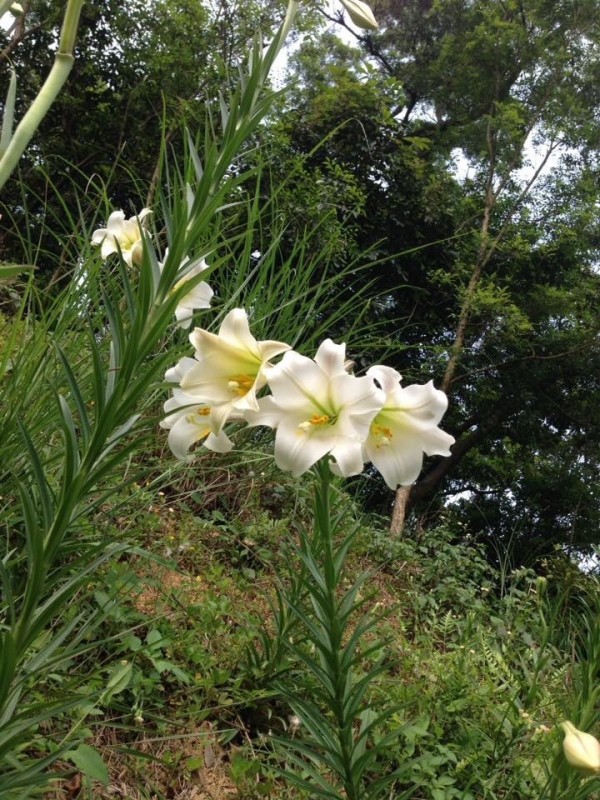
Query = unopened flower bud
x=360 y=14
x=582 y=750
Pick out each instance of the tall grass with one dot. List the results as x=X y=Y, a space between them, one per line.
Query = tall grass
x=76 y=382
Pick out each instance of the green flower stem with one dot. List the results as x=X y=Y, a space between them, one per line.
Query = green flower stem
x=334 y=626
x=68 y=33
x=59 y=73
x=9 y=111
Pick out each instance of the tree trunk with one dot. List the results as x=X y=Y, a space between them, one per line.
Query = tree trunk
x=399 y=512
x=487 y=247
x=404 y=493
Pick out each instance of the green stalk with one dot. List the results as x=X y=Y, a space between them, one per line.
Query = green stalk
x=56 y=79
x=340 y=676
x=9 y=112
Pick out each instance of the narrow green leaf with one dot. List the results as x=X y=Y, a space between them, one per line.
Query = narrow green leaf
x=52 y=605
x=23 y=723
x=322 y=790
x=45 y=496
x=7 y=592
x=30 y=774
x=224 y=111
x=8 y=661
x=71 y=451
x=77 y=397
x=43 y=658
x=8 y=271
x=193 y=154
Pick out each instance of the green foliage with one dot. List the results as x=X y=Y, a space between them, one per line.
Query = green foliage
x=362 y=158
x=141 y=73
x=480 y=84
x=332 y=757
x=336 y=212
x=61 y=451
x=473 y=663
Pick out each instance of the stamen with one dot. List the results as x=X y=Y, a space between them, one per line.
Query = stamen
x=316 y=421
x=320 y=419
x=382 y=435
x=240 y=384
x=195 y=418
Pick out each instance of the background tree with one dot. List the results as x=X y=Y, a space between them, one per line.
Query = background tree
x=140 y=68
x=501 y=302
x=456 y=149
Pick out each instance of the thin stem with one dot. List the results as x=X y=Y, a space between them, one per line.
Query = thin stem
x=340 y=676
x=59 y=73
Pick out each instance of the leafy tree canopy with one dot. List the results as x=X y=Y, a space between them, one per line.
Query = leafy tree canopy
x=490 y=280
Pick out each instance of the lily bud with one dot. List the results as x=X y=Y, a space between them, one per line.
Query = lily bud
x=360 y=14
x=582 y=750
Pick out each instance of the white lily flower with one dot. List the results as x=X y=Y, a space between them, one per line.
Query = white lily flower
x=318 y=409
x=405 y=428
x=360 y=14
x=229 y=368
x=124 y=235
x=189 y=422
x=582 y=750
x=198 y=297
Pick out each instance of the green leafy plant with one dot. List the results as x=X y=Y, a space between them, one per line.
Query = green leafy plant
x=94 y=425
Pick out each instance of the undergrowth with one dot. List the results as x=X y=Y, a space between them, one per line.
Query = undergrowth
x=478 y=671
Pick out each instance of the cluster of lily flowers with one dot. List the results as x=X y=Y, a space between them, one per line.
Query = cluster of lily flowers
x=317 y=406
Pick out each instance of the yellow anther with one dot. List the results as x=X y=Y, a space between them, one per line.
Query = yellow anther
x=194 y=418
x=382 y=434
x=240 y=384
x=316 y=421
x=199 y=412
